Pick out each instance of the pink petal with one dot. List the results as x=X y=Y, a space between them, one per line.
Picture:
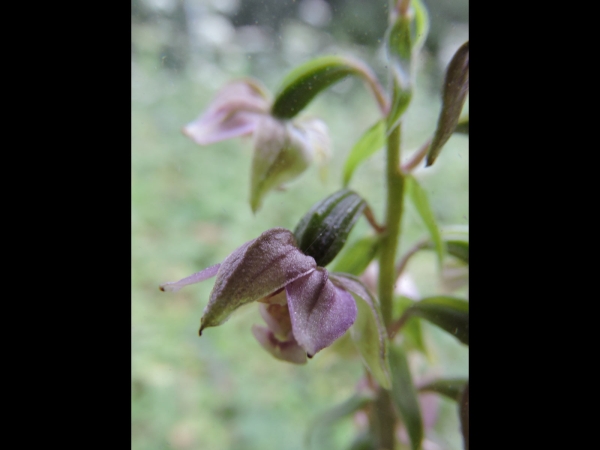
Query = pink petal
x=212 y=128
x=320 y=311
x=234 y=112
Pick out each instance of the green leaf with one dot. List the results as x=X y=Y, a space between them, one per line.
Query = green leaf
x=463 y=412
x=463 y=126
x=323 y=230
x=449 y=313
x=356 y=258
x=421 y=28
x=303 y=83
x=399 y=48
x=364 y=441
x=456 y=87
x=413 y=335
x=404 y=396
x=458 y=249
x=368 y=332
x=369 y=143
x=333 y=415
x=451 y=388
x=365 y=336
x=411 y=331
x=419 y=198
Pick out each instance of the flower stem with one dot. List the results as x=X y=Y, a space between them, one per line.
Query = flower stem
x=395 y=200
x=383 y=419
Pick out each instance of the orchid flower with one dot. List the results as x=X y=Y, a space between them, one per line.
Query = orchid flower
x=283 y=149
x=305 y=307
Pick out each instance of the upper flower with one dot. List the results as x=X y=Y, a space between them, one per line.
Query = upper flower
x=283 y=149
x=306 y=309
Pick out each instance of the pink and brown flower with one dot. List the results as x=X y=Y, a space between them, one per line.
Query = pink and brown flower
x=304 y=306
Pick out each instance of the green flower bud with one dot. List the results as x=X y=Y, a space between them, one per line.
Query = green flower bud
x=323 y=230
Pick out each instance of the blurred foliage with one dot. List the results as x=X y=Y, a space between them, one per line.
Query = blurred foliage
x=190 y=210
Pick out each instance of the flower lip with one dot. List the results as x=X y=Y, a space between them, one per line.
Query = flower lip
x=288 y=350
x=277 y=318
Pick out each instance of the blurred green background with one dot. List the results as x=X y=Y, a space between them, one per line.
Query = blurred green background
x=190 y=210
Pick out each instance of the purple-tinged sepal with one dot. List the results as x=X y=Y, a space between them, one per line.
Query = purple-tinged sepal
x=320 y=312
x=235 y=111
x=253 y=271
x=174 y=286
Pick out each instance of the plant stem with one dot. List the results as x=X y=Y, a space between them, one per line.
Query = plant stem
x=383 y=419
x=395 y=197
